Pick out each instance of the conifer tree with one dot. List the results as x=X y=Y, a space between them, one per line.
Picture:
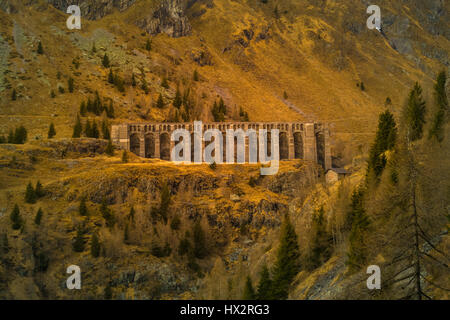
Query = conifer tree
x=78 y=244
x=105 y=61
x=105 y=130
x=415 y=113
x=30 y=195
x=177 y=101
x=441 y=105
x=133 y=80
x=16 y=218
x=148 y=45
x=88 y=129
x=164 y=83
x=287 y=262
x=200 y=250
x=160 y=102
x=321 y=241
x=14 y=95
x=20 y=135
x=107 y=214
x=384 y=141
x=359 y=222
x=131 y=214
x=111 y=76
x=83 y=208
x=51 y=131
x=144 y=86
x=265 y=285
x=110 y=111
x=38 y=217
x=95 y=246
x=39 y=190
x=83 y=109
x=40 y=49
x=95 y=131
x=77 y=128
x=195 y=76
x=249 y=292
x=94 y=48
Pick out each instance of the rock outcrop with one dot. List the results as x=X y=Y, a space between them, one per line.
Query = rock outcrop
x=93 y=9
x=169 y=18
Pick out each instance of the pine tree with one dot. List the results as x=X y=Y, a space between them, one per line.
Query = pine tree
x=105 y=130
x=148 y=45
x=415 y=113
x=133 y=80
x=164 y=83
x=200 y=250
x=124 y=156
x=160 y=102
x=95 y=246
x=144 y=86
x=441 y=102
x=131 y=214
x=40 y=49
x=265 y=285
x=39 y=190
x=77 y=128
x=321 y=241
x=384 y=141
x=94 y=49
x=30 y=195
x=358 y=221
x=287 y=262
x=52 y=94
x=4 y=244
x=105 y=61
x=111 y=76
x=177 y=101
x=20 y=135
x=83 y=109
x=38 y=217
x=14 y=95
x=78 y=244
x=95 y=131
x=83 y=208
x=51 y=131
x=70 y=84
x=249 y=292
x=15 y=218
x=107 y=214
x=88 y=129
x=165 y=202
x=110 y=111
x=109 y=148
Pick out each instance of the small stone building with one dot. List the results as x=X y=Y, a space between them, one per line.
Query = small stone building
x=335 y=174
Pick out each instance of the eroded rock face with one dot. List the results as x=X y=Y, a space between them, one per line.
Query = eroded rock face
x=169 y=18
x=93 y=9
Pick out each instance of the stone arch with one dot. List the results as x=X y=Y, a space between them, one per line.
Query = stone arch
x=135 y=144
x=149 y=145
x=298 y=145
x=284 y=146
x=165 y=146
